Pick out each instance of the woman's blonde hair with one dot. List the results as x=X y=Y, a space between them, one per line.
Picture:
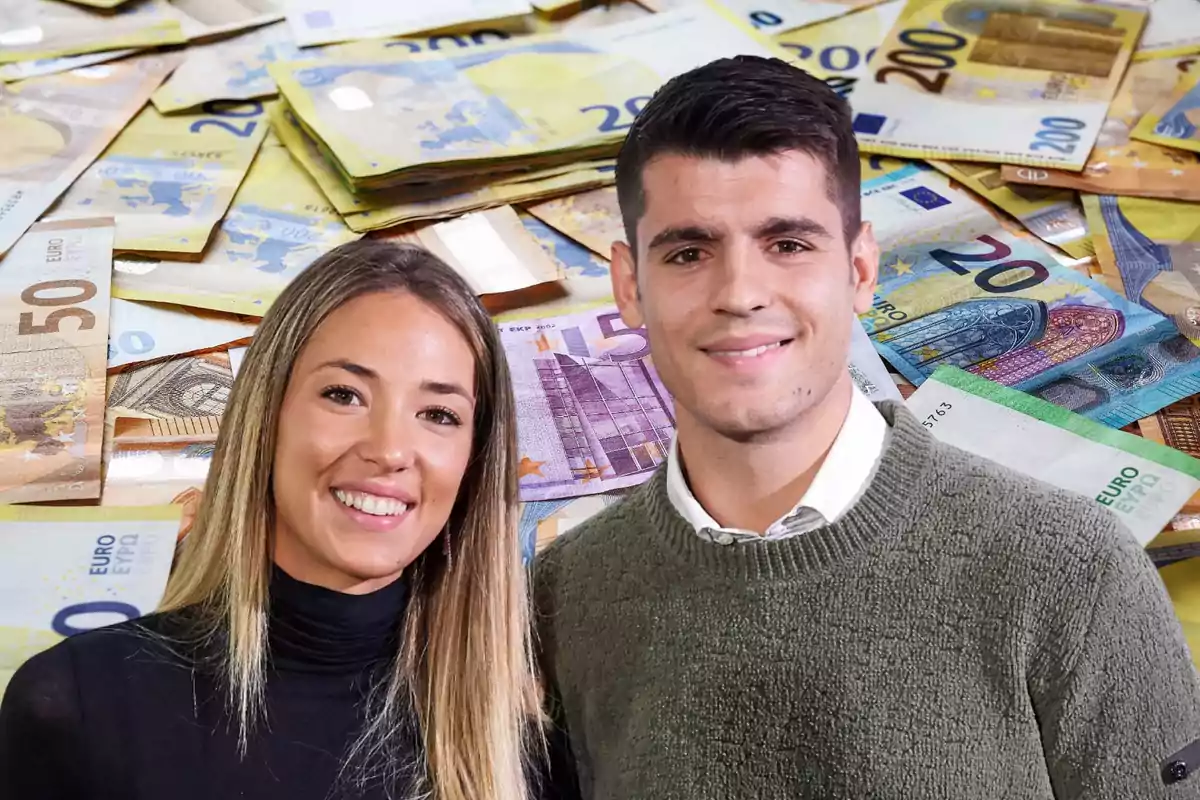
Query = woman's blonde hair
x=465 y=661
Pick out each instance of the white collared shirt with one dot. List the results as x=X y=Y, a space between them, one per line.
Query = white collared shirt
x=840 y=481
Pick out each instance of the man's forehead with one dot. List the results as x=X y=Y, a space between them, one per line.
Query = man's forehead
x=718 y=192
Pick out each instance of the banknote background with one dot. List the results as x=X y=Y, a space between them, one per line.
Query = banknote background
x=1029 y=167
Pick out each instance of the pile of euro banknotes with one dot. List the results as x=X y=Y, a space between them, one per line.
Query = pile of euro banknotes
x=1031 y=169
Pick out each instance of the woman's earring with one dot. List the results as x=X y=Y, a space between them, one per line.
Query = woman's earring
x=446 y=548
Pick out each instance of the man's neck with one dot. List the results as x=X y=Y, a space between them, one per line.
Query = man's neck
x=749 y=485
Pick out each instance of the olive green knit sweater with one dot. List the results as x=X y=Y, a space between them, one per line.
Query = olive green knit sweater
x=963 y=632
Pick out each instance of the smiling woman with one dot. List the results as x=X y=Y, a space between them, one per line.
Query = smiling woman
x=317 y=639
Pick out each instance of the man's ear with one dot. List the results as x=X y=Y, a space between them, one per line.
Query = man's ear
x=625 y=285
x=864 y=268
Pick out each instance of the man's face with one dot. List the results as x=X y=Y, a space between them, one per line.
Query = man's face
x=746 y=286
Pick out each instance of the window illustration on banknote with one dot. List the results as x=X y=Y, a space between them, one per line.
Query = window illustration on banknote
x=1034 y=41
x=610 y=417
x=594 y=415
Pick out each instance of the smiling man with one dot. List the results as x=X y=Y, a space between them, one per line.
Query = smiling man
x=814 y=598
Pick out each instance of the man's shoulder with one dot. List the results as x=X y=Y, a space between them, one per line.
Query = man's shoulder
x=1011 y=510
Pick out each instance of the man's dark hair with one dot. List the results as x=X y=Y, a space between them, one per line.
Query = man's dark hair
x=741 y=107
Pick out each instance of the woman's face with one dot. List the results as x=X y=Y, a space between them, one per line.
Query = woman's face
x=374 y=438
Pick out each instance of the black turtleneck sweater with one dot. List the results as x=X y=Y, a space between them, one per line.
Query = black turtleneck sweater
x=114 y=713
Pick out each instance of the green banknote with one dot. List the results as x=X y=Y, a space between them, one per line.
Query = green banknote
x=54 y=127
x=1142 y=482
x=389 y=121
x=278 y=223
x=35 y=30
x=167 y=181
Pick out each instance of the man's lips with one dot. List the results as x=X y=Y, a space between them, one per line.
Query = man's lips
x=742 y=347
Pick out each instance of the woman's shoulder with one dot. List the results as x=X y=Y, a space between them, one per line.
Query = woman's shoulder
x=50 y=681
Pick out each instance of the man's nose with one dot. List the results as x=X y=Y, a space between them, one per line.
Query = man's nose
x=741 y=281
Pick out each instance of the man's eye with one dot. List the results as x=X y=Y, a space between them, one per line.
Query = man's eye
x=790 y=246
x=689 y=255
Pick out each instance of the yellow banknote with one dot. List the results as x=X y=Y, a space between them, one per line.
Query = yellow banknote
x=1021 y=84
x=1173 y=30
x=1153 y=248
x=837 y=51
x=585 y=281
x=1052 y=215
x=36 y=68
x=1182 y=581
x=782 y=16
x=168 y=180
x=367 y=211
x=278 y=223
x=205 y=19
x=1119 y=164
x=591 y=218
x=1174 y=121
x=323 y=21
x=55 y=288
x=494 y=253
x=47 y=30
x=54 y=127
x=140 y=332
x=189 y=387
x=390 y=121
x=65 y=570
x=160 y=462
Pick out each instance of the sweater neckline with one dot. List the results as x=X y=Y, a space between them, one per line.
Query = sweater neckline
x=314 y=629
x=883 y=512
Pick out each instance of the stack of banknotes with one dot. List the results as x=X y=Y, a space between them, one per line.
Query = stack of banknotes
x=1031 y=169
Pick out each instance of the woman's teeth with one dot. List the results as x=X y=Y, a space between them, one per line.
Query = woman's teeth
x=371 y=503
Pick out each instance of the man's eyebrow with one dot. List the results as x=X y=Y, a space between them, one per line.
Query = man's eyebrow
x=351 y=367
x=684 y=233
x=442 y=387
x=791 y=226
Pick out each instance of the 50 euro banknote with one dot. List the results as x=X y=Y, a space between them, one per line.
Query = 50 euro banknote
x=1140 y=481
x=64 y=571
x=994 y=80
x=54 y=292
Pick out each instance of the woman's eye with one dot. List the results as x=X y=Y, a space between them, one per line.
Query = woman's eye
x=442 y=416
x=342 y=396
